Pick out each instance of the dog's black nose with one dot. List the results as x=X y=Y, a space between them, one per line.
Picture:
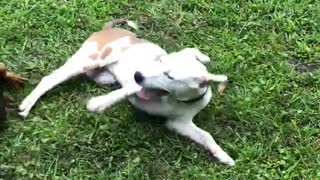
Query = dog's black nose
x=138 y=77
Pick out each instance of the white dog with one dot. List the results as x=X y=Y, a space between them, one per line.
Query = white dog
x=175 y=86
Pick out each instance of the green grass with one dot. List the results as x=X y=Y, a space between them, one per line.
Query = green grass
x=268 y=118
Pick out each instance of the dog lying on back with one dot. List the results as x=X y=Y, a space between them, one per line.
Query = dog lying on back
x=7 y=79
x=175 y=85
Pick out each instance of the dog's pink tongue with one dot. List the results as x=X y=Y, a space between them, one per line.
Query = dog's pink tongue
x=148 y=94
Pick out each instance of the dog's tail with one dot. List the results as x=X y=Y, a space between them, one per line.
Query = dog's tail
x=114 y=22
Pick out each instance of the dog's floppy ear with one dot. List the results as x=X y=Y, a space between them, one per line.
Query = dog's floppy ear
x=204 y=59
x=217 y=77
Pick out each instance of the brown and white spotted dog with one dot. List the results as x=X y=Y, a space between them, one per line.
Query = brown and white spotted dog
x=175 y=85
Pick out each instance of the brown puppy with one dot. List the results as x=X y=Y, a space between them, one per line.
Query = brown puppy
x=7 y=79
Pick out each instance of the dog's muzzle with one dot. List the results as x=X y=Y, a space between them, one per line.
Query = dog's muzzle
x=138 y=77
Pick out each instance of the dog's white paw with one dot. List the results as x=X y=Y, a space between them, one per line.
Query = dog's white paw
x=228 y=161
x=224 y=158
x=94 y=105
x=26 y=106
x=24 y=113
x=97 y=104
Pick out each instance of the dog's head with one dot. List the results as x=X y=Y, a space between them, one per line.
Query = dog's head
x=182 y=75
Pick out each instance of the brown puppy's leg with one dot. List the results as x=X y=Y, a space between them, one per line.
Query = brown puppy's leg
x=8 y=77
x=3 y=113
x=15 y=79
x=8 y=101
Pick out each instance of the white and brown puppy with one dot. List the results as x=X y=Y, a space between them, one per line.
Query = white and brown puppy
x=175 y=85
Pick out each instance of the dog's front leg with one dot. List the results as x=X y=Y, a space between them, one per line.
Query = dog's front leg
x=100 y=103
x=190 y=130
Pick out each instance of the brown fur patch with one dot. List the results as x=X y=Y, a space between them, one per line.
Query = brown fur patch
x=105 y=52
x=134 y=40
x=104 y=37
x=94 y=56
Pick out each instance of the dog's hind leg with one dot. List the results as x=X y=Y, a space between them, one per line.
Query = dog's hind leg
x=48 y=82
x=189 y=129
x=73 y=67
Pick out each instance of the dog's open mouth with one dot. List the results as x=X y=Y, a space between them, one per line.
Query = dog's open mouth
x=148 y=94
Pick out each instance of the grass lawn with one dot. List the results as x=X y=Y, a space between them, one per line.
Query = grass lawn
x=267 y=120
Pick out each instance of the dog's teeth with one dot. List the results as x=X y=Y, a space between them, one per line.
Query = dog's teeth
x=93 y=105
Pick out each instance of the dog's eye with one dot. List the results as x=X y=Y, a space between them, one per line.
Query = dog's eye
x=168 y=75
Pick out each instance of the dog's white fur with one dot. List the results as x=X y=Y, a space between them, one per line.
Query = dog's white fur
x=179 y=73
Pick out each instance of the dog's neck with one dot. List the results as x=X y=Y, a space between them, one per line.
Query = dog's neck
x=195 y=99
